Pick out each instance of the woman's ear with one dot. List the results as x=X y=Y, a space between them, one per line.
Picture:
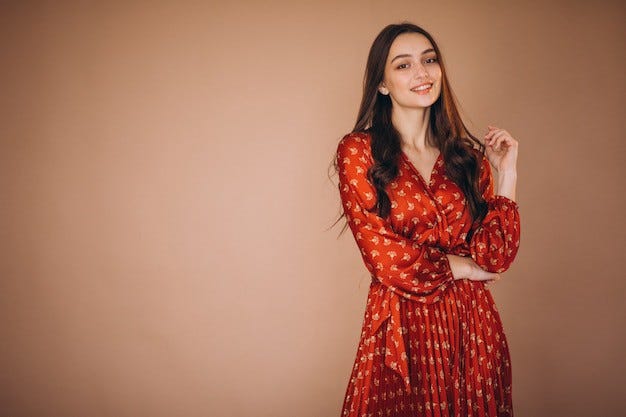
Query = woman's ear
x=383 y=89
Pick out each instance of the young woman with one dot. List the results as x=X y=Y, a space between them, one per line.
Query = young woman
x=418 y=194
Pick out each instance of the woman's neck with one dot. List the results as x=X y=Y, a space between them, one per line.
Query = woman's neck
x=412 y=124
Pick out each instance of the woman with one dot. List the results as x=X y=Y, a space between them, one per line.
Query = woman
x=418 y=194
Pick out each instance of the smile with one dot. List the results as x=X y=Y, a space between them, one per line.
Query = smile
x=423 y=89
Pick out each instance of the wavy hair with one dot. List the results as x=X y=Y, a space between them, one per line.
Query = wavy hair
x=461 y=151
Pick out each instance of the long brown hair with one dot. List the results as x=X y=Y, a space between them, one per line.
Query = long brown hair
x=460 y=149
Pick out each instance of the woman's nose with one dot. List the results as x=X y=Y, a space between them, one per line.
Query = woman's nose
x=421 y=72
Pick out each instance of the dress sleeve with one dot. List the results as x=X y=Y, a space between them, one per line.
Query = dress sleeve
x=401 y=264
x=495 y=241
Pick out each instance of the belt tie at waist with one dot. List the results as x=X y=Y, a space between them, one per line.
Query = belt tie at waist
x=395 y=352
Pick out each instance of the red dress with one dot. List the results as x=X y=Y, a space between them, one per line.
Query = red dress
x=430 y=345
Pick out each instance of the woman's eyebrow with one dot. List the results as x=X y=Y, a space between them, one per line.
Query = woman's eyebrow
x=408 y=55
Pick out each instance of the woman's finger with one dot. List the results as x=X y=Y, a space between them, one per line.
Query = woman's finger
x=500 y=133
x=497 y=142
x=491 y=131
x=506 y=140
x=497 y=138
x=489 y=135
x=491 y=281
x=483 y=275
x=492 y=135
x=504 y=135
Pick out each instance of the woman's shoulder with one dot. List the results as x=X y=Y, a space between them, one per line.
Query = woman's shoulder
x=355 y=144
x=359 y=139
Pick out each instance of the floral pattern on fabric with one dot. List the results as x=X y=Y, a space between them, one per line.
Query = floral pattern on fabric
x=422 y=329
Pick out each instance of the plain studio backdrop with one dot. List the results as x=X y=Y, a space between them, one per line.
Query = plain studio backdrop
x=165 y=214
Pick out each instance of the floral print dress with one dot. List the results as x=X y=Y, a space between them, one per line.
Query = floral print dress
x=430 y=345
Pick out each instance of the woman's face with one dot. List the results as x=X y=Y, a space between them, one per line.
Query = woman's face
x=411 y=62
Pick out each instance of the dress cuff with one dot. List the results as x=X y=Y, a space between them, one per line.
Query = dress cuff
x=503 y=203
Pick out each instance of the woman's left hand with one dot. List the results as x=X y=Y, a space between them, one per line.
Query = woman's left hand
x=501 y=149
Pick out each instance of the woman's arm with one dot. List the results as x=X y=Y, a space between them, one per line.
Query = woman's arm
x=506 y=184
x=401 y=264
x=464 y=267
x=501 y=151
x=495 y=242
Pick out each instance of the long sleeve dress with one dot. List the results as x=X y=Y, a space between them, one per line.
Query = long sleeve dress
x=430 y=345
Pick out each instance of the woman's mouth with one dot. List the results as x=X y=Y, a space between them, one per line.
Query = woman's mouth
x=422 y=89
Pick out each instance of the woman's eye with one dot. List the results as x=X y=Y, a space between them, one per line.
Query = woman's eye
x=401 y=66
x=431 y=59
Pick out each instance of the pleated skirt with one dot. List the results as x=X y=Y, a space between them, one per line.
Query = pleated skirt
x=459 y=362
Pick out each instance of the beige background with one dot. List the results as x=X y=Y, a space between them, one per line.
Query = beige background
x=165 y=211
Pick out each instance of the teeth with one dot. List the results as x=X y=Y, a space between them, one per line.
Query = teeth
x=423 y=87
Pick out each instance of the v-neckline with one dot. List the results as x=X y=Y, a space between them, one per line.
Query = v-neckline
x=432 y=171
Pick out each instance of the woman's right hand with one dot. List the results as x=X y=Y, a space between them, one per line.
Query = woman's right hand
x=464 y=267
